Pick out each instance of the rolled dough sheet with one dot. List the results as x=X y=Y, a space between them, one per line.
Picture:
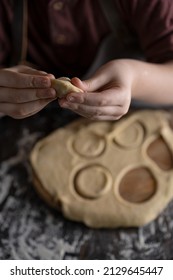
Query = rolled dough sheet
x=107 y=174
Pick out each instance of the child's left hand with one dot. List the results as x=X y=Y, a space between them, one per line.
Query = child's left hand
x=107 y=94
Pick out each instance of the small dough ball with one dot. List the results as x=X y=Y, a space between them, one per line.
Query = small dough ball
x=63 y=86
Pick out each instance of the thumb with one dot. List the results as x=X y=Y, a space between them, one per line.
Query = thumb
x=92 y=84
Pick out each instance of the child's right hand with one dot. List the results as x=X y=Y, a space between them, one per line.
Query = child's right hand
x=24 y=91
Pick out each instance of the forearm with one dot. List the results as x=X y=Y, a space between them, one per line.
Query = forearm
x=152 y=82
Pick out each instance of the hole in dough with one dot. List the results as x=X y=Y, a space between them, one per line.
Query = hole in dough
x=92 y=181
x=160 y=153
x=131 y=135
x=138 y=185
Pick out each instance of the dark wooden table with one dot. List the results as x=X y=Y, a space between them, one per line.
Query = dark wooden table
x=29 y=229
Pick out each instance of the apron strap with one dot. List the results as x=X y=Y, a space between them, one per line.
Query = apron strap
x=19 y=32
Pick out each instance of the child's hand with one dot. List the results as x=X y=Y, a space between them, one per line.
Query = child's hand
x=24 y=91
x=107 y=95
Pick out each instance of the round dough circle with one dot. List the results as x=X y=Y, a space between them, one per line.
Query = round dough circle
x=88 y=144
x=92 y=182
x=131 y=136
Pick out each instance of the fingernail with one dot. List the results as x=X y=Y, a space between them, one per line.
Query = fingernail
x=51 y=76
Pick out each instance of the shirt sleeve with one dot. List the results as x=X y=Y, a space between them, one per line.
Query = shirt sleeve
x=152 y=21
x=5 y=33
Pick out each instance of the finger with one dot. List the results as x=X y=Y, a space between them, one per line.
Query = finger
x=98 y=80
x=25 y=69
x=94 y=111
x=78 y=83
x=11 y=95
x=105 y=98
x=36 y=72
x=98 y=115
x=12 y=79
x=20 y=111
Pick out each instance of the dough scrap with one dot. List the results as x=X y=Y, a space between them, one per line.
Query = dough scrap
x=88 y=187
x=63 y=86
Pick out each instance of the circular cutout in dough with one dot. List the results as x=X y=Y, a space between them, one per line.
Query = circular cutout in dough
x=137 y=185
x=92 y=182
x=163 y=158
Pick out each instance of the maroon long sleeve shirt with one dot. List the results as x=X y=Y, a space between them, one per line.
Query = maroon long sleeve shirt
x=65 y=35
